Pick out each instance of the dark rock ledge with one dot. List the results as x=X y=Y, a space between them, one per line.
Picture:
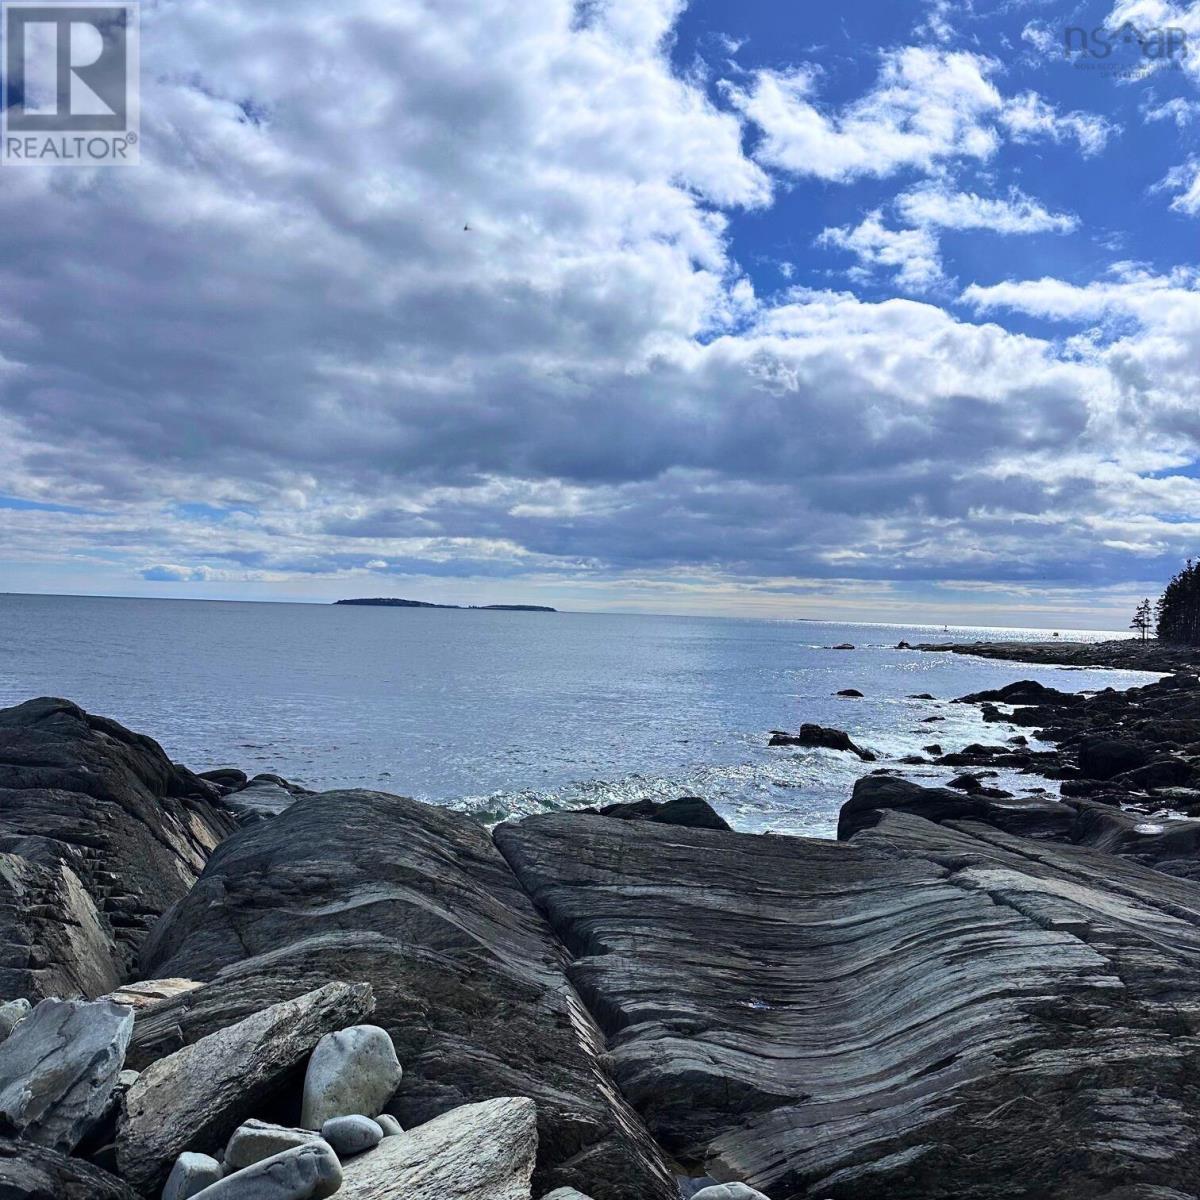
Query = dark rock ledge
x=968 y=997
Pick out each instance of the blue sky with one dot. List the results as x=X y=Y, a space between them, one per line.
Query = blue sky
x=879 y=311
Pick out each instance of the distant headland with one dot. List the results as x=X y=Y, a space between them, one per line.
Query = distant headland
x=391 y=603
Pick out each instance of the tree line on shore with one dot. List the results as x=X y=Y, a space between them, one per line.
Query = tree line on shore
x=1176 y=615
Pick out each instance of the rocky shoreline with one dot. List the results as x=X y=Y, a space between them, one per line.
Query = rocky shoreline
x=239 y=990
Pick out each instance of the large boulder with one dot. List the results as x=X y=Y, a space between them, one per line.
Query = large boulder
x=468 y=977
x=1031 y=816
x=196 y=1097
x=32 y=1172
x=352 y=1072
x=478 y=1152
x=58 y=1069
x=99 y=834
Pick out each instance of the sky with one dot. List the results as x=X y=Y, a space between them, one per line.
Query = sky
x=883 y=310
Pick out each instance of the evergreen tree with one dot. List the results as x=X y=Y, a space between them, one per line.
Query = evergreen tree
x=1143 y=619
x=1179 y=608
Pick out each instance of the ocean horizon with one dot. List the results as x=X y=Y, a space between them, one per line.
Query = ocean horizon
x=506 y=714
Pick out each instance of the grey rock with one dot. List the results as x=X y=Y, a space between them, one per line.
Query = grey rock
x=566 y=1193
x=353 y=1071
x=389 y=1125
x=1036 y=816
x=58 y=1069
x=477 y=1152
x=253 y=1141
x=30 y=1172
x=196 y=1097
x=351 y=1135
x=12 y=1013
x=191 y=1174
x=309 y=1172
x=821 y=737
x=729 y=1191
x=469 y=979
x=100 y=833
x=914 y=1014
x=259 y=800
x=691 y=811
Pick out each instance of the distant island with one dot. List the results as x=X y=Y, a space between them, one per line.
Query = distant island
x=390 y=603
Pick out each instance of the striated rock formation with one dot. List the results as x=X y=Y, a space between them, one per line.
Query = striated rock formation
x=929 y=1012
x=468 y=979
x=99 y=834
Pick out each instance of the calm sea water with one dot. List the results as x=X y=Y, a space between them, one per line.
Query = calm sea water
x=503 y=713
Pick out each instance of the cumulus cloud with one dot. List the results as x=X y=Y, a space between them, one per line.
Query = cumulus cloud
x=1184 y=180
x=910 y=254
x=935 y=205
x=1178 y=110
x=280 y=320
x=1028 y=117
x=929 y=106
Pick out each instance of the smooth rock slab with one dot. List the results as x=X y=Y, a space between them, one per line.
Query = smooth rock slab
x=190 y=1175
x=256 y=1140
x=58 y=1069
x=477 y=1152
x=351 y=1135
x=309 y=1172
x=352 y=1072
x=195 y=1098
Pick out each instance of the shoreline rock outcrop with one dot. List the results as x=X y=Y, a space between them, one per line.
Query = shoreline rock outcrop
x=969 y=996
x=468 y=979
x=100 y=833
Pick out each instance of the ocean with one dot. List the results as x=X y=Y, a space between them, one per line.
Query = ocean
x=502 y=714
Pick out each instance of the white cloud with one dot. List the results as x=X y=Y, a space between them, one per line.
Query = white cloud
x=933 y=205
x=1182 y=112
x=912 y=254
x=1184 y=180
x=1028 y=117
x=1041 y=37
x=928 y=107
x=584 y=385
